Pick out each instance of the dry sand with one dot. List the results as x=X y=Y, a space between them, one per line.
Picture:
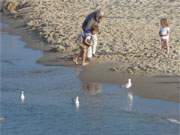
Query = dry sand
x=129 y=31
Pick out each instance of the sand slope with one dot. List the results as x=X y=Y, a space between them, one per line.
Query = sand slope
x=129 y=32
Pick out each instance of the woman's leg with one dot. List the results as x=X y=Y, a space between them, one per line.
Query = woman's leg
x=84 y=56
x=94 y=44
x=89 y=52
x=75 y=59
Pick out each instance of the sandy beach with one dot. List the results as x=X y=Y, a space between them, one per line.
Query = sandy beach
x=128 y=45
x=38 y=42
x=128 y=33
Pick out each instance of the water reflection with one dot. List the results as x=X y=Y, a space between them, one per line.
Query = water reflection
x=130 y=100
x=91 y=88
x=77 y=70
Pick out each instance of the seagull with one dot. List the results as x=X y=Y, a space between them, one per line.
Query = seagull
x=77 y=102
x=128 y=84
x=174 y=121
x=22 y=97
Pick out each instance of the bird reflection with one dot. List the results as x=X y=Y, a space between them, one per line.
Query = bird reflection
x=130 y=100
x=77 y=102
x=91 y=88
x=22 y=97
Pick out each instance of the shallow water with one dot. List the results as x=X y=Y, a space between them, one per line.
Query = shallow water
x=105 y=109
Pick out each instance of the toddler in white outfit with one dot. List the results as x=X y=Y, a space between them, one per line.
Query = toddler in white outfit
x=164 y=35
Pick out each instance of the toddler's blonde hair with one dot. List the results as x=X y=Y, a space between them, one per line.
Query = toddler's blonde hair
x=164 y=22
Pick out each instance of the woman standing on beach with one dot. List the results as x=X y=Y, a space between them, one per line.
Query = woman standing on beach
x=92 y=19
x=164 y=34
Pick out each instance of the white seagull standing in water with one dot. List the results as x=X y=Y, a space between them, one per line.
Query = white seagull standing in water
x=77 y=102
x=128 y=84
x=22 y=97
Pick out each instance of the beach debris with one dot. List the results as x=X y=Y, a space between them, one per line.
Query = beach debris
x=16 y=7
x=130 y=70
x=114 y=69
x=54 y=49
x=22 y=97
x=11 y=8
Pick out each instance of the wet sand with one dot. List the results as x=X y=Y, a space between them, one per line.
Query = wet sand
x=162 y=87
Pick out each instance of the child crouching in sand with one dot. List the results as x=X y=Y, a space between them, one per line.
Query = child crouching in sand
x=86 y=42
x=164 y=34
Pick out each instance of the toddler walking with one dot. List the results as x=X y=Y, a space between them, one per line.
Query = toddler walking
x=164 y=35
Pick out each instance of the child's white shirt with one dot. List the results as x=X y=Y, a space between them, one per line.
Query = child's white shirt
x=164 y=31
x=88 y=38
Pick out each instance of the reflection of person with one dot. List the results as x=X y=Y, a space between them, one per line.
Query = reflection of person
x=86 y=42
x=91 y=88
x=164 y=34
x=77 y=70
x=92 y=19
